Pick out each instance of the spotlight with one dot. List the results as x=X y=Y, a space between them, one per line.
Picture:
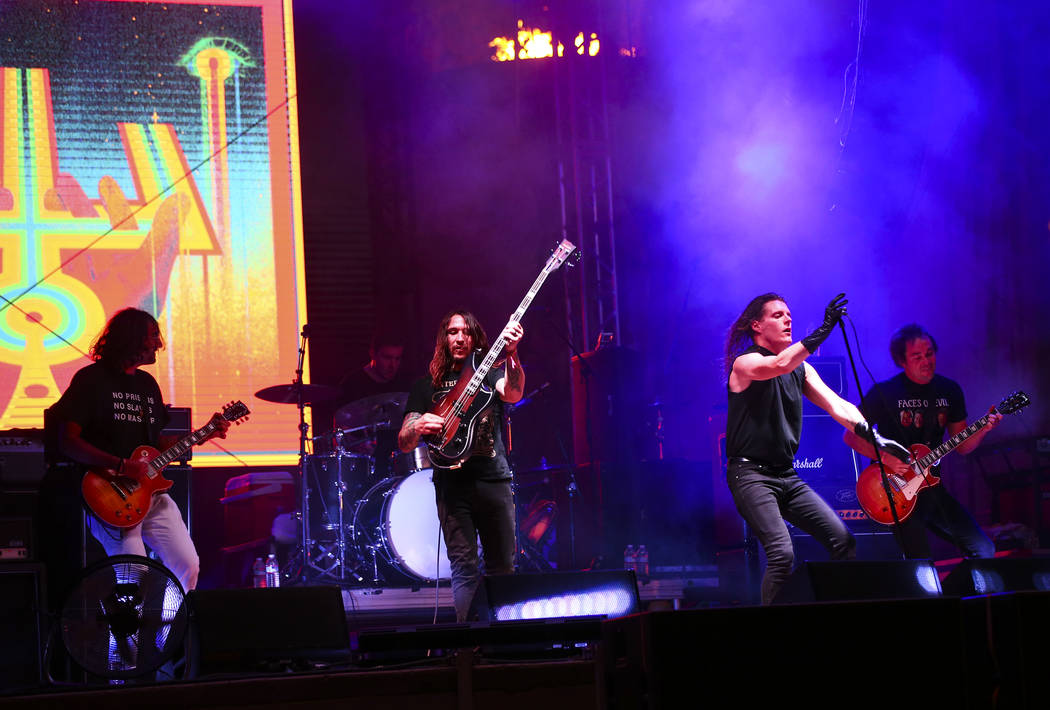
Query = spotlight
x=513 y=597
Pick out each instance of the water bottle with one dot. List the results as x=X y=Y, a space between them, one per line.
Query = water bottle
x=258 y=573
x=630 y=559
x=642 y=567
x=273 y=574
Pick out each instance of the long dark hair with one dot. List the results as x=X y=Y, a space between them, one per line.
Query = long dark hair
x=121 y=341
x=740 y=336
x=441 y=363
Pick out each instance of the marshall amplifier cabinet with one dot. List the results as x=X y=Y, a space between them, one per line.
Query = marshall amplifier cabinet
x=830 y=467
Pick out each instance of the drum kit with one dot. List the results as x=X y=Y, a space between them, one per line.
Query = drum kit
x=367 y=511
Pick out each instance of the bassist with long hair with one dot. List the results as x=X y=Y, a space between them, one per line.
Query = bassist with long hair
x=473 y=483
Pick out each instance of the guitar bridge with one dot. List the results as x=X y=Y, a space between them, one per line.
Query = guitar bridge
x=119 y=490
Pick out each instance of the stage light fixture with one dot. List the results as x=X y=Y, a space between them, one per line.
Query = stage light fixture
x=610 y=593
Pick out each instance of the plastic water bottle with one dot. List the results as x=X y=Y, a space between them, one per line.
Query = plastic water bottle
x=642 y=567
x=630 y=559
x=258 y=573
x=273 y=574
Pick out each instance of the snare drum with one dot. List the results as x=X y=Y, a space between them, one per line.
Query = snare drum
x=398 y=518
x=335 y=481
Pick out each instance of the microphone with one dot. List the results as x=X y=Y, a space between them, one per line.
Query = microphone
x=306 y=330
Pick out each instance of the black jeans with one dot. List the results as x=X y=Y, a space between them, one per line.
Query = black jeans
x=468 y=509
x=938 y=511
x=766 y=499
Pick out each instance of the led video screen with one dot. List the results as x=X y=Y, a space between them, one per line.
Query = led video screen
x=149 y=158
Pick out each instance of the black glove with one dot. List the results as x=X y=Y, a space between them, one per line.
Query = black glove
x=832 y=314
x=888 y=446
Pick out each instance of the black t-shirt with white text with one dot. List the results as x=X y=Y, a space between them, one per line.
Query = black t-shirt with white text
x=488 y=460
x=117 y=412
x=911 y=413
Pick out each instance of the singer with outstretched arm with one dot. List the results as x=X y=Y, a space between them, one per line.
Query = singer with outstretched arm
x=767 y=377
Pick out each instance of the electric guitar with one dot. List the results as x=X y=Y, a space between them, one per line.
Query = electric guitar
x=469 y=398
x=123 y=501
x=906 y=488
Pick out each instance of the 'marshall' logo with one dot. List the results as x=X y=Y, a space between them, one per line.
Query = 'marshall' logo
x=809 y=463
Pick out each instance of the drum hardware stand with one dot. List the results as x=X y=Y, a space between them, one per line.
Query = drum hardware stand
x=309 y=560
x=340 y=568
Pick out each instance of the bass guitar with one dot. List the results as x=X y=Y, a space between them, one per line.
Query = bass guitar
x=123 y=501
x=469 y=398
x=906 y=488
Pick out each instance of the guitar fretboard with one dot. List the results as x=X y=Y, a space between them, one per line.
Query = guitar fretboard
x=184 y=444
x=939 y=453
x=497 y=347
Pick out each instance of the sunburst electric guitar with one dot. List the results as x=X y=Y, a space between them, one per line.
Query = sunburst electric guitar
x=469 y=398
x=123 y=501
x=906 y=488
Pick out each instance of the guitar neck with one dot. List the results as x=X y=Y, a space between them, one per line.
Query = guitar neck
x=949 y=445
x=177 y=450
x=497 y=347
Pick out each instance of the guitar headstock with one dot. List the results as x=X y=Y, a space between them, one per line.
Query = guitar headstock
x=1013 y=403
x=561 y=253
x=235 y=411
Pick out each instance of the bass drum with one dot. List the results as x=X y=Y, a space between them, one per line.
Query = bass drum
x=398 y=519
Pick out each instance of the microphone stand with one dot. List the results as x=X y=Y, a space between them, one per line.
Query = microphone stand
x=571 y=488
x=871 y=440
x=304 y=506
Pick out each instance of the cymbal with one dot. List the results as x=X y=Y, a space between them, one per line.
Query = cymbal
x=382 y=410
x=535 y=475
x=289 y=394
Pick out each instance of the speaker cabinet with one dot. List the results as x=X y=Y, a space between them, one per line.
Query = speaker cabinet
x=1007 y=652
x=253 y=630
x=841 y=580
x=22 y=615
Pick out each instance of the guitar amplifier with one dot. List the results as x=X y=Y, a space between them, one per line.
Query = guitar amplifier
x=16 y=539
x=830 y=467
x=21 y=458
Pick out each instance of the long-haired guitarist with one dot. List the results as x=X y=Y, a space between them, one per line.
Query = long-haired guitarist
x=112 y=407
x=474 y=496
x=767 y=378
x=918 y=406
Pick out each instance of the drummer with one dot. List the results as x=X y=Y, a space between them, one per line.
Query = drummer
x=380 y=375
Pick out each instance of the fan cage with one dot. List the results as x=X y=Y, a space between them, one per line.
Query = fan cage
x=124 y=617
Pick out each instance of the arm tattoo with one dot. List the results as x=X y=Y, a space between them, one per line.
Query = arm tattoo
x=514 y=375
x=407 y=438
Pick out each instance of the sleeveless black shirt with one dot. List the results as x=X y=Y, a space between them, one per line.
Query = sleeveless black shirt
x=765 y=420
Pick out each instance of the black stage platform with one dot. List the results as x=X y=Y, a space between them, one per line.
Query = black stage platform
x=940 y=651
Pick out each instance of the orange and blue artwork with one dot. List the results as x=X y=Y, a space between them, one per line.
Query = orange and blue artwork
x=148 y=158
